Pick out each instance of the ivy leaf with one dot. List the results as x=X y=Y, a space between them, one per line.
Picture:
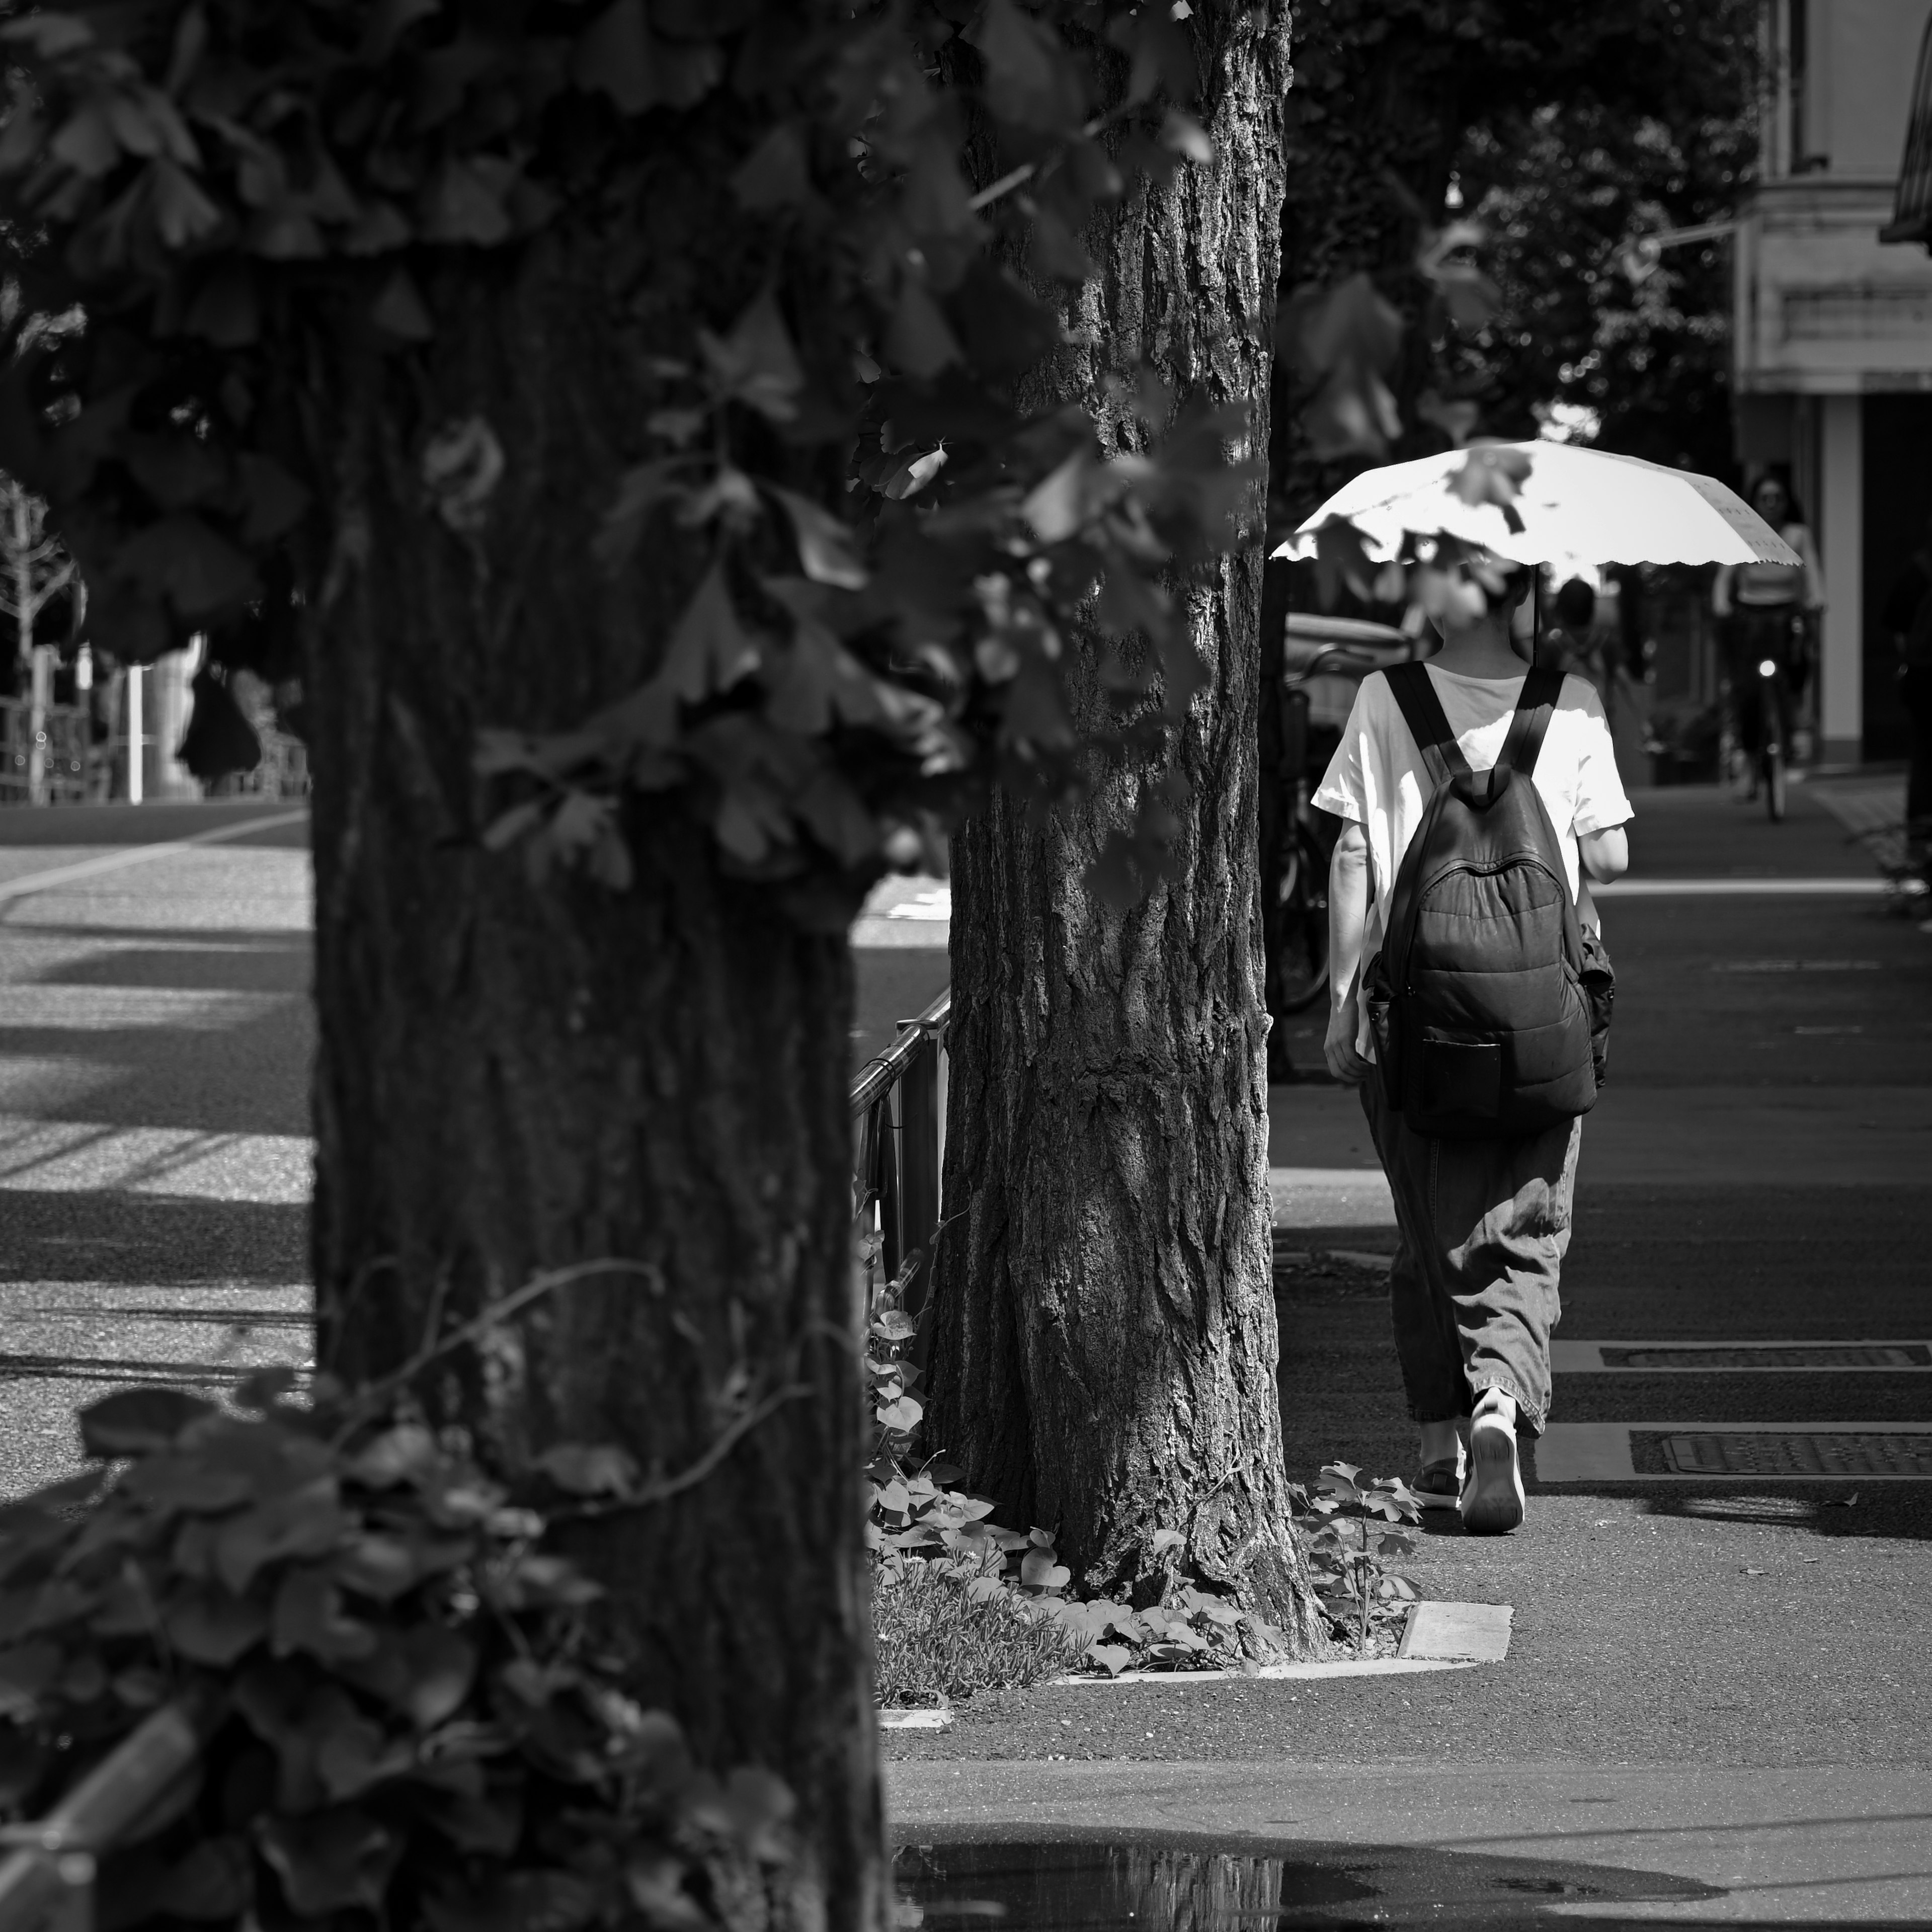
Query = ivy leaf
x=1057 y=507
x=825 y=552
x=308 y=1617
x=331 y=1861
x=465 y=203
x=613 y=56
x=920 y=340
x=389 y=20
x=590 y=1469
x=756 y=364
x=402 y=1454
x=751 y=1809
x=201 y=575
x=399 y=310
x=777 y=173
x=85 y=142
x=1186 y=137
x=27 y=1672
x=183 y=214
x=1491 y=476
x=441 y=1666
x=1030 y=79
x=214 y=1880
x=710 y=650
x=642 y=490
x=49 y=36
x=306 y=1522
x=208 y=1624
x=192 y=1484
x=516 y=1901
x=137 y=1422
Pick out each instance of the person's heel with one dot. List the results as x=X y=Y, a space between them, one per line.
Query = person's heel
x=1492 y=1499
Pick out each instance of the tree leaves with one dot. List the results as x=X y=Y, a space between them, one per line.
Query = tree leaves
x=820 y=262
x=138 y=1421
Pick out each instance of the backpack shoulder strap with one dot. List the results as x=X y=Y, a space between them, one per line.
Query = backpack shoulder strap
x=1422 y=712
x=1541 y=690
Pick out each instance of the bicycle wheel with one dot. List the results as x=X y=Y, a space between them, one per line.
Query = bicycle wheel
x=1774 y=782
x=1301 y=953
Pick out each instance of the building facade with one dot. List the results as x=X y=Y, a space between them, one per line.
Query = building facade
x=1833 y=334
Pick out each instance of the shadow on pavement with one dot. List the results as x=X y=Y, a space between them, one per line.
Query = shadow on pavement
x=62 y=1236
x=78 y=825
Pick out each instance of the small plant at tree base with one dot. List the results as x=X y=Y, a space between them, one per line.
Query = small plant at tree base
x=1361 y=1527
x=960 y=1603
x=945 y=1626
x=405 y=1712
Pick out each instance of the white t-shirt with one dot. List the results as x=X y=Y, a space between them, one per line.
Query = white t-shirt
x=1377 y=778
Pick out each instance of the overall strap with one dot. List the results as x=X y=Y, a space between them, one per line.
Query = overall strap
x=1422 y=712
x=1534 y=707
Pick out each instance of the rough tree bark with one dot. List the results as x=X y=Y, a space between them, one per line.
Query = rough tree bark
x=1104 y=1351
x=515 y=1077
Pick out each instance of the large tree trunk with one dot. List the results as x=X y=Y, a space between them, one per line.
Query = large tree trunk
x=515 y=1077
x=1105 y=1348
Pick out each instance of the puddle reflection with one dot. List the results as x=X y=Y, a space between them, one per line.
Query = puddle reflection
x=1070 y=1884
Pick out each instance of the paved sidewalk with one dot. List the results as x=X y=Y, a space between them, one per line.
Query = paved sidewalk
x=154 y=1163
x=1717 y=1677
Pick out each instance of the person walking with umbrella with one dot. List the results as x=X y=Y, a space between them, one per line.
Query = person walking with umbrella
x=1470 y=989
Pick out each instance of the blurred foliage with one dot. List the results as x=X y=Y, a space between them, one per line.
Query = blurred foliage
x=405 y=1716
x=234 y=208
x=1566 y=130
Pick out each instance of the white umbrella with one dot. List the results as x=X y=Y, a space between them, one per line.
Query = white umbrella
x=1573 y=504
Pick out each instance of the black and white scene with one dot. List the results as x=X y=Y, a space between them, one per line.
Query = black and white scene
x=965 y=963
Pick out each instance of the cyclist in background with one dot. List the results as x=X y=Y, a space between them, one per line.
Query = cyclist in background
x=1769 y=610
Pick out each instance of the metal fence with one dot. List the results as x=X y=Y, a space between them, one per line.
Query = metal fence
x=899 y=1111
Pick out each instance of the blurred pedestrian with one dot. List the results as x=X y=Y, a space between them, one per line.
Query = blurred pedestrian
x=1769 y=610
x=1908 y=617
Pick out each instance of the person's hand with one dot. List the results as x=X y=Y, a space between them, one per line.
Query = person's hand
x=1339 y=1049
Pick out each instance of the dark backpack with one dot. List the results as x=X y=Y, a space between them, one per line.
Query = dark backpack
x=1484 y=1026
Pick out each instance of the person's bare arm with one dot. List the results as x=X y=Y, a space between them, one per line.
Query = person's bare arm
x=1720 y=592
x=1605 y=854
x=1347 y=915
x=1814 y=577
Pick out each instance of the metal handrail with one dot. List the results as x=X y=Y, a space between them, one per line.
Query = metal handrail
x=899 y=1113
x=881 y=1073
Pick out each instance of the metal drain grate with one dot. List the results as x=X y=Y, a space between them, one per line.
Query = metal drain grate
x=1694 y=1453
x=1825 y=1355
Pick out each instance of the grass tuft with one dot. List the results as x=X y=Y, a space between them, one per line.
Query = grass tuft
x=934 y=1643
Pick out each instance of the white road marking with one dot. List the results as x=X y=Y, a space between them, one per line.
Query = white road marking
x=1706 y=888
x=140 y=855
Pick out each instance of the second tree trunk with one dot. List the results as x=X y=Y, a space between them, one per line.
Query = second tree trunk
x=1104 y=1349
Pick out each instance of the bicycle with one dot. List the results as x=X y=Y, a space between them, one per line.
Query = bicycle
x=1299 y=886
x=1773 y=702
x=1768 y=647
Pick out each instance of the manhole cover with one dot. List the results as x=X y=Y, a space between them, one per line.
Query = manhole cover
x=1880 y=1355
x=1728 y=1453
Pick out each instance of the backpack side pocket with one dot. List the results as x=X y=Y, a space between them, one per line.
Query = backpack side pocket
x=1381 y=1005
x=1600 y=991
